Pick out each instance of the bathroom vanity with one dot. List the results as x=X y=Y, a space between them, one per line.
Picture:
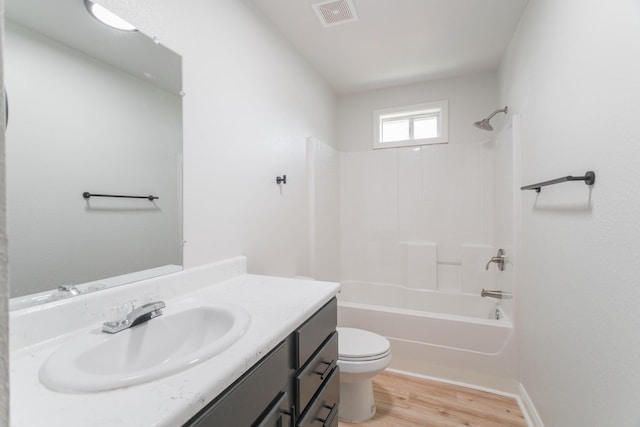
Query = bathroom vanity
x=297 y=384
x=280 y=372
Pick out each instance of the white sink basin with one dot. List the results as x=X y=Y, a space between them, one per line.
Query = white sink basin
x=182 y=337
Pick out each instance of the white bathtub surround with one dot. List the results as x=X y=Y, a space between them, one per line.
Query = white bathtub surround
x=418 y=226
x=323 y=167
x=474 y=275
x=421 y=217
x=397 y=204
x=399 y=298
x=276 y=305
x=422 y=195
x=452 y=336
x=420 y=265
x=462 y=269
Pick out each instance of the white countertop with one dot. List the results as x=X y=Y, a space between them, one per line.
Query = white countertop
x=277 y=307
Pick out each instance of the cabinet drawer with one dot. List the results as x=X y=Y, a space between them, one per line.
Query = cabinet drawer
x=323 y=410
x=245 y=401
x=315 y=331
x=278 y=414
x=316 y=371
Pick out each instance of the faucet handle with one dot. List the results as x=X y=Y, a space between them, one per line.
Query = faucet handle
x=120 y=312
x=131 y=305
x=115 y=314
x=499 y=259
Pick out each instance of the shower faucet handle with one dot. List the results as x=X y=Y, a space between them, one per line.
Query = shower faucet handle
x=499 y=259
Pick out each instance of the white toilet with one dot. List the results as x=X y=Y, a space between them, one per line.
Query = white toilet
x=361 y=355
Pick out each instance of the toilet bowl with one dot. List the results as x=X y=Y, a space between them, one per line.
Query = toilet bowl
x=361 y=355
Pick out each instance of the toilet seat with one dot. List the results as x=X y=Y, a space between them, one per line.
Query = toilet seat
x=357 y=345
x=365 y=359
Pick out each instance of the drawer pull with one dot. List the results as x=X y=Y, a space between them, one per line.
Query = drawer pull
x=326 y=422
x=327 y=370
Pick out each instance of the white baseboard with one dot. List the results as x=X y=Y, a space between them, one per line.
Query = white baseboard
x=528 y=409
x=456 y=383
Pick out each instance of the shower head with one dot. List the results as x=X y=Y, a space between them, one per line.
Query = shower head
x=484 y=123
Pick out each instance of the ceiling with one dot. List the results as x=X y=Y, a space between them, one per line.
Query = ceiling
x=399 y=41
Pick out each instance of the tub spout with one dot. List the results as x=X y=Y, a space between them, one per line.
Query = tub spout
x=496 y=294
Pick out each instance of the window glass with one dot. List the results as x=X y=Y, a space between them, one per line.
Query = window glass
x=411 y=125
x=395 y=130
x=425 y=127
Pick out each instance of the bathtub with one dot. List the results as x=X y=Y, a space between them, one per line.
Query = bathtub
x=457 y=337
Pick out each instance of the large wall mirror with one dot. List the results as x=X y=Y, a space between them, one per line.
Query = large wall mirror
x=98 y=110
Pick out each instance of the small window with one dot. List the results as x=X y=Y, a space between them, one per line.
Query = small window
x=411 y=125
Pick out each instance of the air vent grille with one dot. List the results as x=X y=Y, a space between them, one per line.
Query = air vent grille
x=335 y=12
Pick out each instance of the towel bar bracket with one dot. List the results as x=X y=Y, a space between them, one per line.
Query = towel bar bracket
x=590 y=178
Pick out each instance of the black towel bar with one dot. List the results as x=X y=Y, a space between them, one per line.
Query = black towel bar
x=88 y=195
x=589 y=178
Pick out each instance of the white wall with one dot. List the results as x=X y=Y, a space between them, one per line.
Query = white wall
x=419 y=216
x=4 y=275
x=572 y=73
x=250 y=104
x=471 y=98
x=75 y=147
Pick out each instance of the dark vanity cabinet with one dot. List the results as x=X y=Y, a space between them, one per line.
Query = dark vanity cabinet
x=295 y=385
x=316 y=379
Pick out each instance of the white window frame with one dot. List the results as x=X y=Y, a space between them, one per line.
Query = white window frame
x=439 y=109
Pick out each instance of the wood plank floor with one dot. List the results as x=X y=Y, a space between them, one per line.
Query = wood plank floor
x=406 y=401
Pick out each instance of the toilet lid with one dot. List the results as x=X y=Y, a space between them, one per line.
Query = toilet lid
x=361 y=344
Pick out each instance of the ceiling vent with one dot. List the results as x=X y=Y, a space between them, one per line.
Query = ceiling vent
x=335 y=12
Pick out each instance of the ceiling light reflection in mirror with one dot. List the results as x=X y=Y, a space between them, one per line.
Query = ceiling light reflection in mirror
x=107 y=17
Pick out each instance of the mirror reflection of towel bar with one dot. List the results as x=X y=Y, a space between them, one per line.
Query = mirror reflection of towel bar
x=88 y=195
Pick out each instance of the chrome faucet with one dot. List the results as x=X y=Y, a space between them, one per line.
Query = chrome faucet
x=68 y=290
x=136 y=316
x=496 y=294
x=499 y=259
